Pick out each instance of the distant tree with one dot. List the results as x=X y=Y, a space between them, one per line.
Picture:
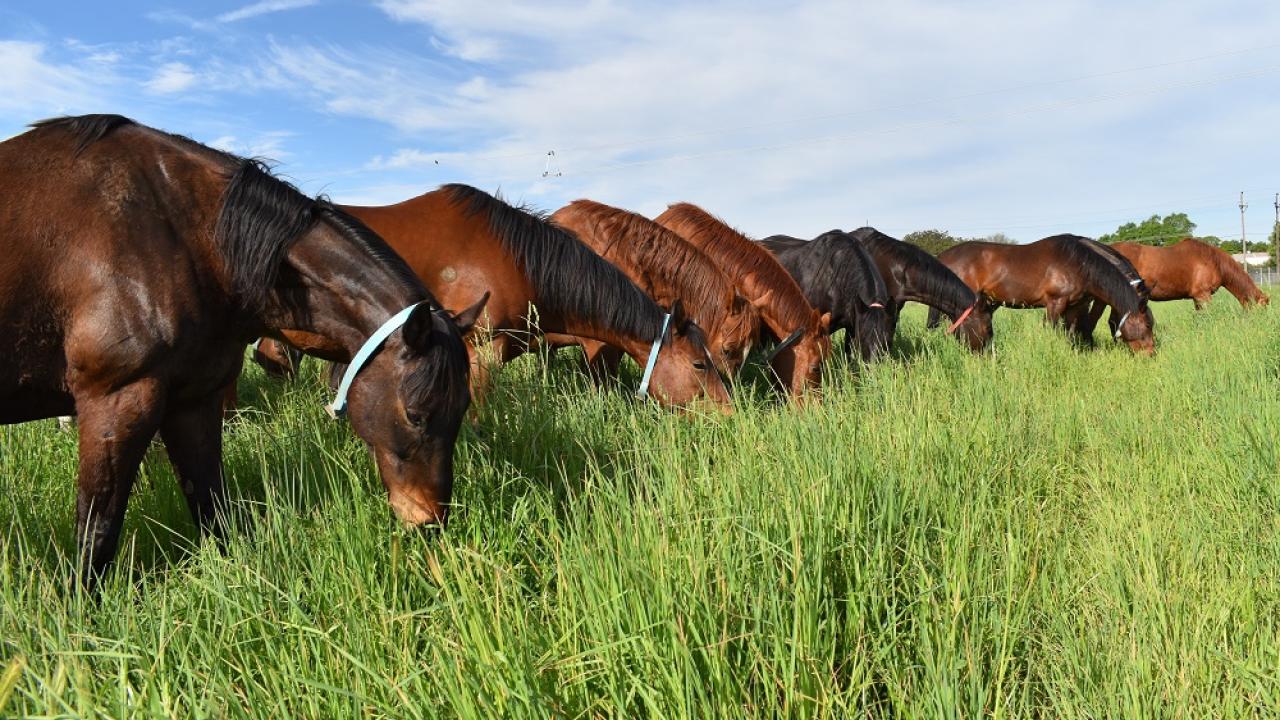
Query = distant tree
x=998 y=238
x=1231 y=246
x=1155 y=230
x=933 y=241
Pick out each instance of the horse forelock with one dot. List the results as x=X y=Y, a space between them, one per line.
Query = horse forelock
x=737 y=257
x=568 y=277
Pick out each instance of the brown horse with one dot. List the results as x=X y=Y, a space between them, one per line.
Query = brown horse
x=759 y=278
x=463 y=242
x=136 y=266
x=1063 y=274
x=1191 y=270
x=668 y=268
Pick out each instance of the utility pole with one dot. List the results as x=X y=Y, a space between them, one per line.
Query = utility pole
x=1244 y=243
x=1275 y=237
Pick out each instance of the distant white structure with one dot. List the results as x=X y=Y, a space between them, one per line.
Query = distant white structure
x=1254 y=259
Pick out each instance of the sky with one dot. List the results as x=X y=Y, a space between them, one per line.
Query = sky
x=971 y=116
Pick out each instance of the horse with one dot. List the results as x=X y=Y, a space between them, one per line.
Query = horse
x=136 y=267
x=1191 y=270
x=462 y=241
x=785 y=313
x=912 y=274
x=1062 y=274
x=1084 y=320
x=668 y=269
x=839 y=277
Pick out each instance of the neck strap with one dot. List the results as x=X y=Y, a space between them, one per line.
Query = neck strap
x=338 y=408
x=1120 y=325
x=963 y=316
x=653 y=358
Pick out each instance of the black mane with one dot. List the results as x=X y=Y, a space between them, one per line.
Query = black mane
x=88 y=129
x=928 y=277
x=570 y=279
x=261 y=216
x=833 y=270
x=1101 y=270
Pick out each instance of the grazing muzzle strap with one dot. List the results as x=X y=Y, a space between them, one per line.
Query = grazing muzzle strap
x=338 y=408
x=963 y=316
x=653 y=358
x=788 y=342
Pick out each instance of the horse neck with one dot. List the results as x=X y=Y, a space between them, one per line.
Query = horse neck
x=938 y=288
x=339 y=298
x=635 y=345
x=1235 y=279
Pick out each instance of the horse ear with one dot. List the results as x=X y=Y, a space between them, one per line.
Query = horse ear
x=738 y=305
x=417 y=329
x=825 y=320
x=466 y=320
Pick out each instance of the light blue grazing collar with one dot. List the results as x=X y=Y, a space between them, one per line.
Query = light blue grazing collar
x=653 y=358
x=338 y=407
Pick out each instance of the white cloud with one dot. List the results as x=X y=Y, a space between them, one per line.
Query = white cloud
x=404 y=158
x=263 y=8
x=269 y=145
x=798 y=117
x=31 y=85
x=172 y=77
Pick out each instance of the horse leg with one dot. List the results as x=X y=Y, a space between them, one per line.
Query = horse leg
x=115 y=431
x=192 y=435
x=1201 y=299
x=601 y=360
x=935 y=318
x=1053 y=311
x=484 y=360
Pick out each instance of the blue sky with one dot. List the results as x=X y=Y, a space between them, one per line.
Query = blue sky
x=793 y=117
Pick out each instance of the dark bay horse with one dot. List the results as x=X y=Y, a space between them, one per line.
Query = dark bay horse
x=668 y=268
x=1063 y=274
x=463 y=242
x=839 y=277
x=758 y=277
x=913 y=275
x=138 y=264
x=1191 y=270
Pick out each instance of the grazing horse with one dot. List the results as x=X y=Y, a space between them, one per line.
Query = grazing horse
x=462 y=242
x=840 y=278
x=1191 y=270
x=1084 y=320
x=759 y=278
x=912 y=274
x=668 y=268
x=1062 y=274
x=137 y=265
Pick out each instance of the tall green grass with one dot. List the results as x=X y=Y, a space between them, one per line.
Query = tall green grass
x=1037 y=532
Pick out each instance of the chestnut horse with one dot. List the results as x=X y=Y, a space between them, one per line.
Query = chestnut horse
x=668 y=268
x=136 y=267
x=758 y=277
x=463 y=242
x=840 y=278
x=1062 y=274
x=1191 y=270
x=913 y=275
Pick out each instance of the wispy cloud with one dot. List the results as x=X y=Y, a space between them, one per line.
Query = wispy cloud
x=31 y=82
x=172 y=77
x=264 y=7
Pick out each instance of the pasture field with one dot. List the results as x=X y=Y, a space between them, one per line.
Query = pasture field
x=1039 y=532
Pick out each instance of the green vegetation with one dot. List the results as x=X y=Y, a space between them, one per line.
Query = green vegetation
x=1041 y=532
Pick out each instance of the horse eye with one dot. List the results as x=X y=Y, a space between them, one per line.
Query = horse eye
x=414 y=418
x=700 y=365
